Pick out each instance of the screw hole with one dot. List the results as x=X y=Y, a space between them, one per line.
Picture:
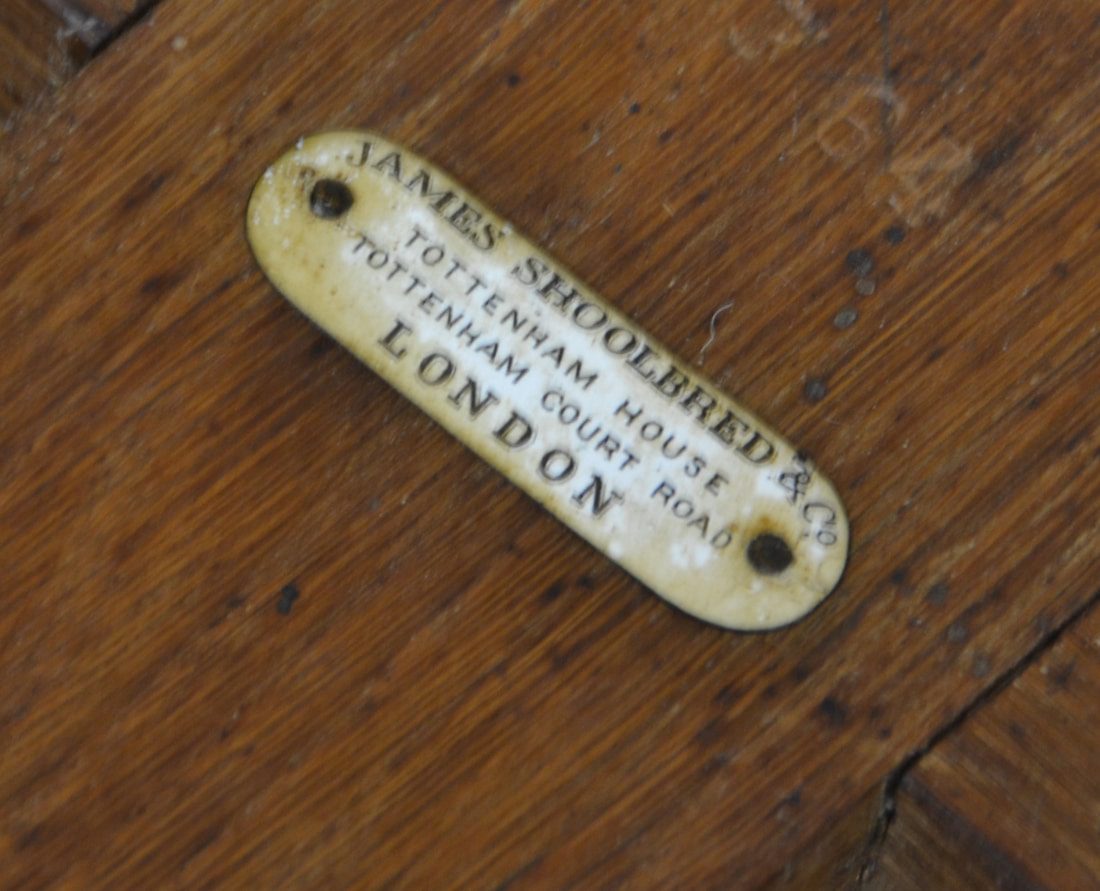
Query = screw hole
x=330 y=199
x=769 y=554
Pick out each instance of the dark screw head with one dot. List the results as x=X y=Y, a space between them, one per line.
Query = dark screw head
x=330 y=199
x=769 y=554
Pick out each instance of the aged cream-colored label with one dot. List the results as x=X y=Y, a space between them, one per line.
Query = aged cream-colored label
x=649 y=461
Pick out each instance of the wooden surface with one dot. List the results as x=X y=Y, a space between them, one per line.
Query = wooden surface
x=1011 y=796
x=34 y=59
x=115 y=12
x=44 y=42
x=899 y=202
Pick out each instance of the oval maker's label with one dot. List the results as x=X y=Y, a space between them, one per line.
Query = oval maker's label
x=649 y=461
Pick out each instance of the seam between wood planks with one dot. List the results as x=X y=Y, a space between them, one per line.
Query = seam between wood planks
x=887 y=811
x=140 y=13
x=80 y=36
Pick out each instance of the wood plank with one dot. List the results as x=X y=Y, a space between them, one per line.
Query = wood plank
x=32 y=59
x=1011 y=799
x=836 y=858
x=113 y=12
x=463 y=694
x=44 y=42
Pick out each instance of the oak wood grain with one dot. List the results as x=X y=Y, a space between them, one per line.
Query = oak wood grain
x=1010 y=800
x=898 y=203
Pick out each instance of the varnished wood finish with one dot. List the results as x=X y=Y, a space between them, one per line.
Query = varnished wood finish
x=898 y=201
x=44 y=42
x=32 y=58
x=1010 y=800
x=115 y=12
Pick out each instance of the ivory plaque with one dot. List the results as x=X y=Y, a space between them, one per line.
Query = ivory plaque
x=646 y=459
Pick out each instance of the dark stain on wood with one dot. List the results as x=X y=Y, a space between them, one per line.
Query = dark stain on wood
x=860 y=262
x=142 y=191
x=894 y=235
x=552 y=592
x=833 y=711
x=288 y=596
x=996 y=156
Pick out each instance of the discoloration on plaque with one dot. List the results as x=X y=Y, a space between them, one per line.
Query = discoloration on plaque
x=651 y=463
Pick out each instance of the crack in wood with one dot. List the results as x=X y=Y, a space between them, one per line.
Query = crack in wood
x=887 y=812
